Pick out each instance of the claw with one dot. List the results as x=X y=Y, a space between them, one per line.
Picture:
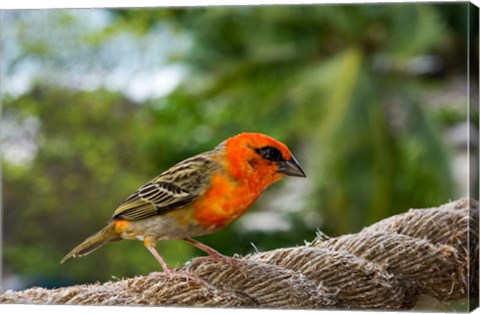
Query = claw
x=233 y=262
x=216 y=256
x=172 y=274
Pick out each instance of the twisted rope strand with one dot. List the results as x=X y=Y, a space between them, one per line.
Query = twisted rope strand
x=387 y=265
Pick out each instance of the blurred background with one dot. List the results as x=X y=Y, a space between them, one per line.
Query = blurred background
x=372 y=99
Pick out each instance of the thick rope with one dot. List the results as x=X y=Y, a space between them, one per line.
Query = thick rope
x=388 y=265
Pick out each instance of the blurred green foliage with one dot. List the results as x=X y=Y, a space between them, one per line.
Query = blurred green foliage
x=347 y=87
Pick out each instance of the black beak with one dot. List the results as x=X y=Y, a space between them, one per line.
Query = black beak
x=291 y=168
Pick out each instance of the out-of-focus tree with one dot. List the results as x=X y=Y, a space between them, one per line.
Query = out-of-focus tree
x=347 y=81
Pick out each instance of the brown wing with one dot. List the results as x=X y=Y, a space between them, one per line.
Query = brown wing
x=177 y=187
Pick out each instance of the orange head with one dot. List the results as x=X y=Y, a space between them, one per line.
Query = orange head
x=259 y=159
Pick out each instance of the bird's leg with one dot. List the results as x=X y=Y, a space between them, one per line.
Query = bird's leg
x=150 y=245
x=213 y=254
x=161 y=261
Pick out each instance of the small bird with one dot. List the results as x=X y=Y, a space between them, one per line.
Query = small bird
x=198 y=196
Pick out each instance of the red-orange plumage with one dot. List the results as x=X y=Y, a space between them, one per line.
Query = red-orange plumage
x=220 y=205
x=121 y=225
x=245 y=175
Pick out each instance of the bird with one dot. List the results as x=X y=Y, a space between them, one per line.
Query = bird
x=197 y=196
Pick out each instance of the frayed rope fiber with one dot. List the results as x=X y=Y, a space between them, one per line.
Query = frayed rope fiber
x=432 y=251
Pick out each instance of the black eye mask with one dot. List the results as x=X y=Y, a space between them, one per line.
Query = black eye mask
x=270 y=153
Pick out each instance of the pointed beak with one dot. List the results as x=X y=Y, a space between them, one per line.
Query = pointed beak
x=291 y=168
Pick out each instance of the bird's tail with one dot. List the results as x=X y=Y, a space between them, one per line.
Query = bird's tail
x=93 y=242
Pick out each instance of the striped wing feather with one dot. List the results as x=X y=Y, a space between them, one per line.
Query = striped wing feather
x=177 y=187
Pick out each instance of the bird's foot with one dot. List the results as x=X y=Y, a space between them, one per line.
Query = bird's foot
x=233 y=262
x=173 y=274
x=216 y=256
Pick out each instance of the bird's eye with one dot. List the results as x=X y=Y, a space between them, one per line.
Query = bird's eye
x=270 y=153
